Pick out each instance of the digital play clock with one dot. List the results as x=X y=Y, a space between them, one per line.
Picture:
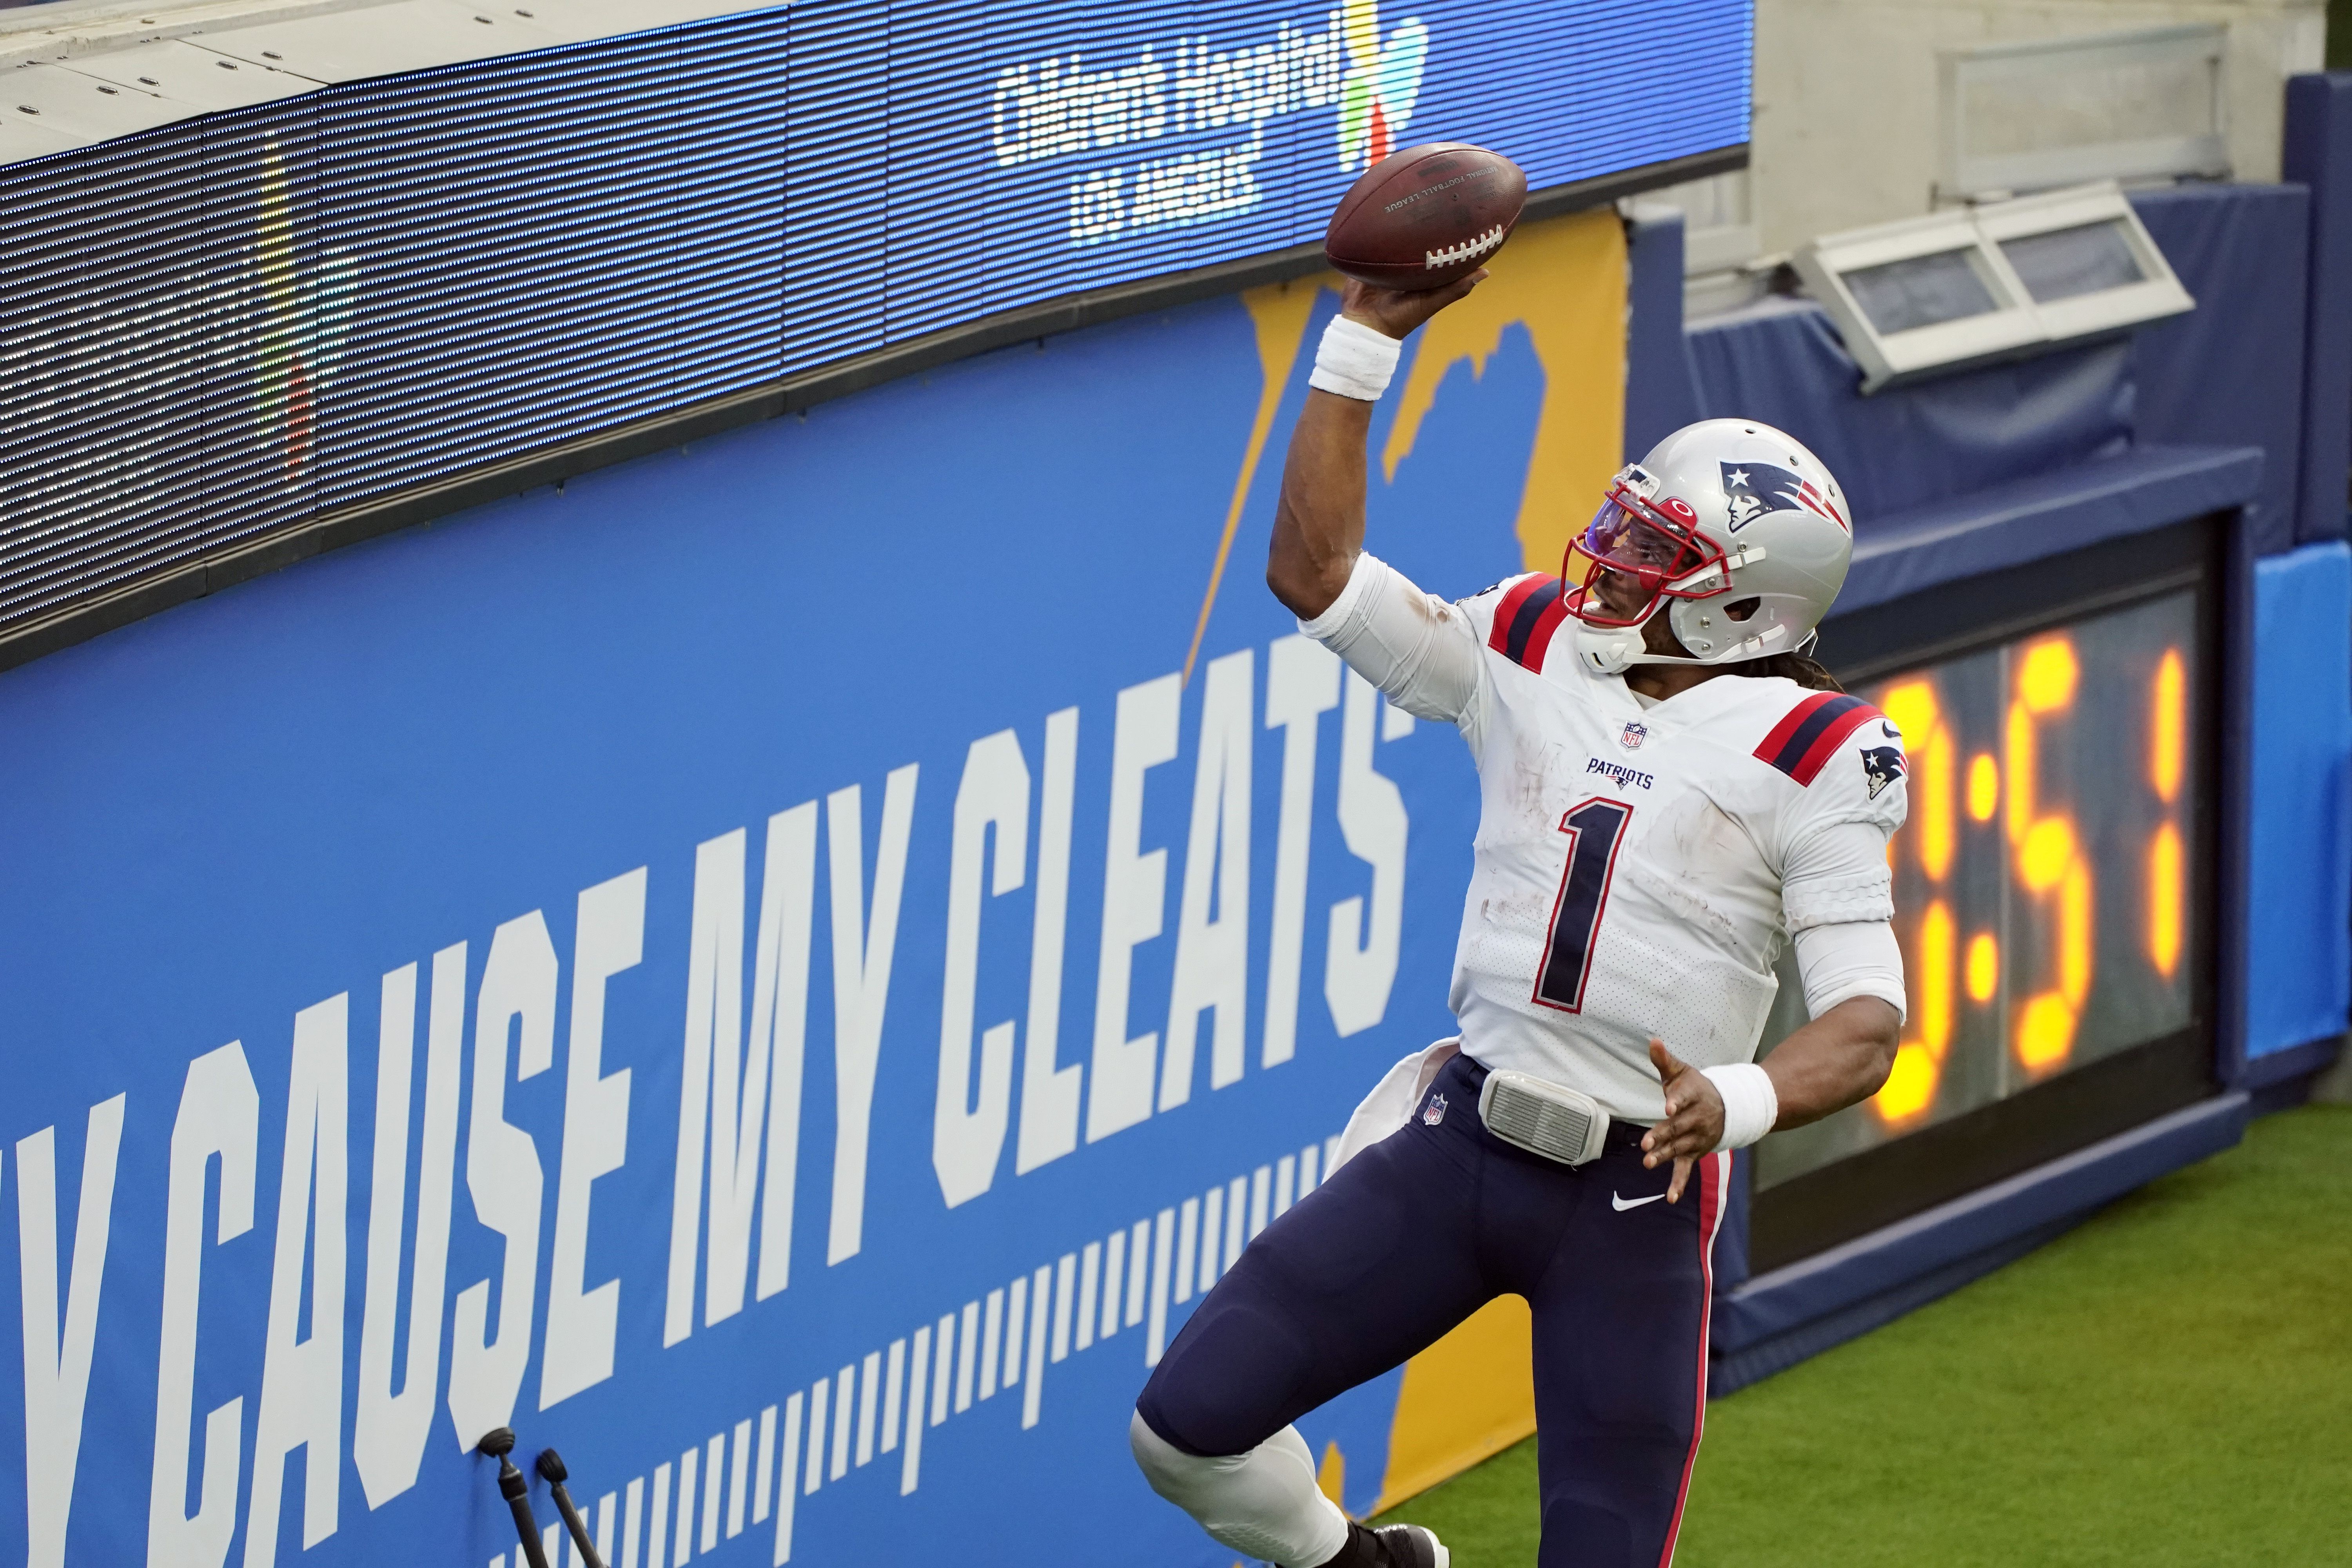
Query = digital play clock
x=2048 y=889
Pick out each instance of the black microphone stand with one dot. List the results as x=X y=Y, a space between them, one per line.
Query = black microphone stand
x=550 y=1465
x=499 y=1443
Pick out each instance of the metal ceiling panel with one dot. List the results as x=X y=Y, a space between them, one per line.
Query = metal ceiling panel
x=84 y=108
x=383 y=40
x=579 y=21
x=194 y=76
x=22 y=136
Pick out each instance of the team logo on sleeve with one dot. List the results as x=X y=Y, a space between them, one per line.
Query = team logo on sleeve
x=1752 y=489
x=1883 y=765
x=1435 y=1111
x=1632 y=736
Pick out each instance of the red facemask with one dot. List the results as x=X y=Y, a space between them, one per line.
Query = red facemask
x=1635 y=549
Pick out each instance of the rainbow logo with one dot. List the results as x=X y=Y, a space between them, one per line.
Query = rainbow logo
x=301 y=323
x=1376 y=96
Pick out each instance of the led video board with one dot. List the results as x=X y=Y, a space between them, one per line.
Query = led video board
x=2053 y=882
x=220 y=327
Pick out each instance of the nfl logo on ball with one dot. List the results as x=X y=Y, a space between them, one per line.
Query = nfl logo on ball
x=1632 y=735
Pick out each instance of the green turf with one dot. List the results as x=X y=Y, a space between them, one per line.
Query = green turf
x=2169 y=1383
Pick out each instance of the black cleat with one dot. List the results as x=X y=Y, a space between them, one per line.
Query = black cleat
x=1392 y=1546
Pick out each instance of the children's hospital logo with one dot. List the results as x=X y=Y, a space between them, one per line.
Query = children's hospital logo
x=1213 y=98
x=1377 y=95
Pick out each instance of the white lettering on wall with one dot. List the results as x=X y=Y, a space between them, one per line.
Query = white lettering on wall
x=220 y=1113
x=732 y=1091
x=389 y=1434
x=967 y=1136
x=1049 y=1094
x=582 y=1324
x=1135 y=893
x=302 y=1379
x=1052 y=107
x=779 y=975
x=1360 y=962
x=504 y=1175
x=1302 y=683
x=861 y=984
x=57 y=1357
x=711 y=1079
x=1213 y=955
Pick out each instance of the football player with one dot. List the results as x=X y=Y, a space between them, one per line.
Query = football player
x=1672 y=792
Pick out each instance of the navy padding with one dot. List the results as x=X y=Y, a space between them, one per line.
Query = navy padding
x=1780 y=361
x=2317 y=154
x=1661 y=393
x=2045 y=515
x=2229 y=373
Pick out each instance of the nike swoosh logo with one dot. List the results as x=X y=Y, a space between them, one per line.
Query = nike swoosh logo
x=1620 y=1205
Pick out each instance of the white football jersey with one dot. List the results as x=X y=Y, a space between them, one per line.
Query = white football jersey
x=1638 y=870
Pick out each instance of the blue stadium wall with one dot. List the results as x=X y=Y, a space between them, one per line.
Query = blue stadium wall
x=859 y=745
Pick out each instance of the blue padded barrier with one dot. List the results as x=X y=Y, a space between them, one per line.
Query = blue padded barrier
x=1661 y=396
x=1779 y=1319
x=1781 y=362
x=2318 y=155
x=2229 y=373
x=2044 y=515
x=2299 y=894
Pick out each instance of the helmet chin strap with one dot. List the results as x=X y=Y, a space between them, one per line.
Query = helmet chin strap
x=1612 y=650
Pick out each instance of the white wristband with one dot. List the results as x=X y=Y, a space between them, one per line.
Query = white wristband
x=1750 y=1105
x=1355 y=360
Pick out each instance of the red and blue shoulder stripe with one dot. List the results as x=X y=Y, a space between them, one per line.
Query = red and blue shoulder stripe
x=1809 y=735
x=1532 y=610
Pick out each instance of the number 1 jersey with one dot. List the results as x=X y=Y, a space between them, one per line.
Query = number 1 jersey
x=1638 y=870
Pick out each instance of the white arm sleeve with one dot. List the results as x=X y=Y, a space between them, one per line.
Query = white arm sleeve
x=1417 y=649
x=1852 y=958
x=1837 y=874
x=1837 y=896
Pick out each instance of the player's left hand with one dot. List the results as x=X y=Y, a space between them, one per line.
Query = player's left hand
x=1693 y=1123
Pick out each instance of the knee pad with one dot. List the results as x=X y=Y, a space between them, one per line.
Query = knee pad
x=1263 y=1504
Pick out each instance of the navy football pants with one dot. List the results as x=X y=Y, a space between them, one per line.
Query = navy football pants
x=1421 y=1230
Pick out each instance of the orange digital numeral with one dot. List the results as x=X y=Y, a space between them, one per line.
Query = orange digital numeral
x=1912 y=708
x=2168 y=753
x=2047 y=855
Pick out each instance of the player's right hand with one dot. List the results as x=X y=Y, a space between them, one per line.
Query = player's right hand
x=1397 y=311
x=1694 y=1119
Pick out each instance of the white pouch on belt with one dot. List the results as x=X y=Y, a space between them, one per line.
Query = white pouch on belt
x=1542 y=1117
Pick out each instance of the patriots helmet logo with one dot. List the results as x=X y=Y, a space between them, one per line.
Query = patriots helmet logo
x=1883 y=765
x=1752 y=489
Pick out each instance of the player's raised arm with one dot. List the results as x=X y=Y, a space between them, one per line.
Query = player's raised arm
x=1318 y=523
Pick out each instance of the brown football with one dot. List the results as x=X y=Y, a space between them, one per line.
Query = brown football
x=1422 y=217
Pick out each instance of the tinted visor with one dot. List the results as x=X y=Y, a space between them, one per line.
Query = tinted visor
x=1629 y=559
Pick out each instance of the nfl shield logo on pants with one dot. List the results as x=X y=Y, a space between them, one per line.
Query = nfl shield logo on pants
x=1435 y=1111
x=1632 y=736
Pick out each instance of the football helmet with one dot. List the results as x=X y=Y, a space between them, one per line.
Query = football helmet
x=1732 y=528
